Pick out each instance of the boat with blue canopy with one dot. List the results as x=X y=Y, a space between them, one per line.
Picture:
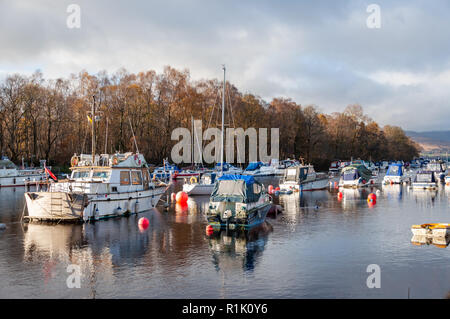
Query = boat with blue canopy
x=238 y=201
x=396 y=175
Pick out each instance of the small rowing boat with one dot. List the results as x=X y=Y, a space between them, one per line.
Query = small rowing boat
x=431 y=230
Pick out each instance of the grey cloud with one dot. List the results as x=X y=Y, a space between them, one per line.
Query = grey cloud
x=317 y=52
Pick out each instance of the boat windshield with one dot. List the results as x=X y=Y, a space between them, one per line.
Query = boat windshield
x=100 y=174
x=394 y=171
x=434 y=167
x=351 y=175
x=80 y=174
x=424 y=178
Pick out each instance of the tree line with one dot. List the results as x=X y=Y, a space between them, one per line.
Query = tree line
x=47 y=119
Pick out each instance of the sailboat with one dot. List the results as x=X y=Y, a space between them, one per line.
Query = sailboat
x=204 y=185
x=100 y=187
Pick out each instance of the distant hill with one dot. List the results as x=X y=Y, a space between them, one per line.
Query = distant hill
x=434 y=142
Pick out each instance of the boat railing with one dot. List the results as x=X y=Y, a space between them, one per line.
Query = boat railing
x=78 y=187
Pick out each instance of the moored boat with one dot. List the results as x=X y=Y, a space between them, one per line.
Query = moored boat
x=395 y=175
x=303 y=178
x=202 y=186
x=431 y=230
x=438 y=168
x=108 y=186
x=356 y=175
x=238 y=201
x=253 y=168
x=12 y=176
x=424 y=180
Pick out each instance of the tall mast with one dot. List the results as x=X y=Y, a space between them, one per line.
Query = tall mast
x=93 y=131
x=223 y=118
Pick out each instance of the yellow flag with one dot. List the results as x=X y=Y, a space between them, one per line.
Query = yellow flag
x=90 y=120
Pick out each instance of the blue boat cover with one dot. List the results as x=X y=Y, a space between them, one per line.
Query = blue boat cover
x=230 y=177
x=395 y=170
x=254 y=165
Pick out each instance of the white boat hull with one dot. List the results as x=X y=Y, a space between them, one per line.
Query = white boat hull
x=15 y=181
x=424 y=186
x=198 y=189
x=63 y=206
x=318 y=184
x=357 y=183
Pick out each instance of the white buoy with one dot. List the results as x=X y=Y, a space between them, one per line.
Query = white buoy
x=2 y=226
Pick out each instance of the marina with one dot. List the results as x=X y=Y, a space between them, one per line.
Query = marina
x=319 y=246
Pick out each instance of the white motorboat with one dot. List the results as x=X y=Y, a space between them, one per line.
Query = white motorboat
x=438 y=168
x=357 y=175
x=303 y=178
x=253 y=168
x=12 y=176
x=118 y=185
x=283 y=165
x=424 y=180
x=204 y=186
x=334 y=167
x=395 y=175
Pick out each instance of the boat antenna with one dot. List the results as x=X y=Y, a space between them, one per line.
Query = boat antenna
x=93 y=130
x=223 y=117
x=134 y=137
x=106 y=137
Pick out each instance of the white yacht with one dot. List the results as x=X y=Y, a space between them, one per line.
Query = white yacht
x=115 y=185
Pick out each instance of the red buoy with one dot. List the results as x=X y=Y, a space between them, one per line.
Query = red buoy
x=340 y=195
x=278 y=188
x=270 y=189
x=143 y=223
x=182 y=197
x=372 y=197
x=209 y=230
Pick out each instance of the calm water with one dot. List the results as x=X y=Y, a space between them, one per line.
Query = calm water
x=306 y=252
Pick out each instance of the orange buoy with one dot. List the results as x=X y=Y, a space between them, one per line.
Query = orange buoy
x=278 y=188
x=182 y=197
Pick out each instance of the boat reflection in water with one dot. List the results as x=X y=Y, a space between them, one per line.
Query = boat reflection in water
x=440 y=242
x=238 y=249
x=99 y=250
x=354 y=198
x=392 y=192
x=425 y=198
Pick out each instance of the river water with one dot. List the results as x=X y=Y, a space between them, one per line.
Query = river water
x=320 y=247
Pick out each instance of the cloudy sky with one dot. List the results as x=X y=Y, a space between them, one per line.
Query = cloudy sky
x=316 y=52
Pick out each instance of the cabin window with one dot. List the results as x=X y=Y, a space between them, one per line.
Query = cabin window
x=80 y=174
x=136 y=178
x=100 y=174
x=350 y=175
x=124 y=178
x=256 y=189
x=146 y=178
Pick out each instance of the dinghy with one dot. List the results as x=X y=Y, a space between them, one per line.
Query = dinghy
x=431 y=230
